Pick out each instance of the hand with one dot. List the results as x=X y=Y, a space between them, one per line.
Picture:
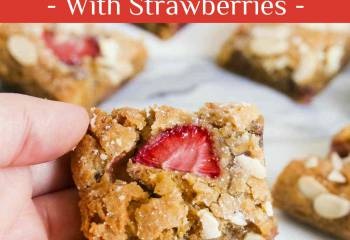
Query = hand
x=37 y=200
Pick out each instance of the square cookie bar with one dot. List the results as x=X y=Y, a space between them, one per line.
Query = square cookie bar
x=76 y=63
x=162 y=30
x=297 y=59
x=163 y=173
x=316 y=190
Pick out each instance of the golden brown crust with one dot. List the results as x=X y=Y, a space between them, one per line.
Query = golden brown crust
x=163 y=204
x=46 y=76
x=293 y=58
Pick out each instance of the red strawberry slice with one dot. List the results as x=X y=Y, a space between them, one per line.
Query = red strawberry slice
x=182 y=148
x=72 y=50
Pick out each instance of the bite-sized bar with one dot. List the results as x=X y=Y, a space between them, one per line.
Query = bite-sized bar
x=76 y=63
x=297 y=59
x=316 y=191
x=164 y=173
x=162 y=30
x=341 y=142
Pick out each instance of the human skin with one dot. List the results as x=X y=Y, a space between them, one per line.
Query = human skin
x=37 y=200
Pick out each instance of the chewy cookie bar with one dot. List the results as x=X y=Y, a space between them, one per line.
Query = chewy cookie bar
x=316 y=190
x=75 y=63
x=162 y=30
x=297 y=59
x=163 y=173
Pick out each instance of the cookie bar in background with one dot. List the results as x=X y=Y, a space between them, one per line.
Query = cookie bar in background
x=163 y=173
x=316 y=190
x=76 y=63
x=162 y=30
x=297 y=59
x=341 y=142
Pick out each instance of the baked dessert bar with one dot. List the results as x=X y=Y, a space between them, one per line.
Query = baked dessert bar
x=341 y=142
x=163 y=173
x=297 y=59
x=316 y=190
x=162 y=30
x=76 y=63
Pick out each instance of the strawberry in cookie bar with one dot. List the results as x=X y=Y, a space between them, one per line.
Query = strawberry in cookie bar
x=76 y=63
x=164 y=173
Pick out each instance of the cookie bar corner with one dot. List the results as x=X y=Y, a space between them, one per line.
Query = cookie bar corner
x=297 y=59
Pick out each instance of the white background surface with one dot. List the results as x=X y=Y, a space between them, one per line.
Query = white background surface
x=182 y=72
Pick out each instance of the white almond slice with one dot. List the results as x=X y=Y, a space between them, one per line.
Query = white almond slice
x=337 y=162
x=268 y=208
x=312 y=162
x=274 y=31
x=337 y=177
x=330 y=206
x=210 y=225
x=236 y=218
x=252 y=166
x=307 y=66
x=334 y=58
x=109 y=50
x=265 y=47
x=253 y=236
x=22 y=50
x=310 y=187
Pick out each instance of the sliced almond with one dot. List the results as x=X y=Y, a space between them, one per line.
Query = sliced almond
x=337 y=162
x=312 y=162
x=22 y=50
x=268 y=208
x=310 y=187
x=272 y=31
x=253 y=236
x=236 y=218
x=251 y=166
x=334 y=58
x=210 y=225
x=109 y=50
x=337 y=177
x=265 y=47
x=330 y=206
x=307 y=66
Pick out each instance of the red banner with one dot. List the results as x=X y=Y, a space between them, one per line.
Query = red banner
x=175 y=11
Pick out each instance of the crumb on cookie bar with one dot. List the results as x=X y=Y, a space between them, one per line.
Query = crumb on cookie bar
x=297 y=59
x=164 y=173
x=76 y=63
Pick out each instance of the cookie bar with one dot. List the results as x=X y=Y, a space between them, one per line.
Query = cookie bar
x=76 y=63
x=164 y=173
x=162 y=30
x=297 y=59
x=316 y=191
x=341 y=142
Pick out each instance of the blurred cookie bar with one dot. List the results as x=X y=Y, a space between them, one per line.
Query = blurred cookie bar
x=163 y=173
x=297 y=59
x=162 y=30
x=341 y=142
x=76 y=63
x=316 y=190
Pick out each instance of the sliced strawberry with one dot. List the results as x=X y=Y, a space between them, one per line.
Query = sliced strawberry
x=183 y=148
x=72 y=50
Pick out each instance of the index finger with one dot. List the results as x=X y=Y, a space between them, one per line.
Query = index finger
x=34 y=130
